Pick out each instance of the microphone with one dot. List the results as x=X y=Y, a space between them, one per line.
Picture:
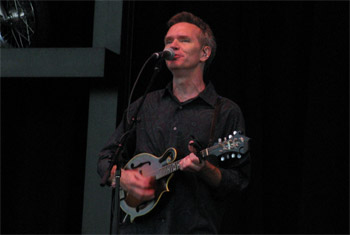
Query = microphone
x=167 y=54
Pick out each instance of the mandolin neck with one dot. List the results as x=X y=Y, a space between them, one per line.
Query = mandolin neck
x=168 y=169
x=172 y=167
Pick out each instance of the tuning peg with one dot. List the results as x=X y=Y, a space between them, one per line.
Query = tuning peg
x=239 y=156
x=219 y=140
x=230 y=136
x=225 y=139
x=222 y=158
x=228 y=156
x=233 y=155
x=235 y=132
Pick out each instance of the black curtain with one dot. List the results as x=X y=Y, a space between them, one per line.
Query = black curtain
x=286 y=65
x=43 y=144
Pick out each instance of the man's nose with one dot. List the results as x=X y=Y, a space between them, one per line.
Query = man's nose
x=174 y=45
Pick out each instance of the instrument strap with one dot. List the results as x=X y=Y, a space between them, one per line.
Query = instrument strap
x=214 y=121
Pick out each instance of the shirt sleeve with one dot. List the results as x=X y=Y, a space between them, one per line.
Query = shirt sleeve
x=236 y=175
x=108 y=151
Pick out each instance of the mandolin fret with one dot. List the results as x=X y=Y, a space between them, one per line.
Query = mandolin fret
x=168 y=169
x=206 y=152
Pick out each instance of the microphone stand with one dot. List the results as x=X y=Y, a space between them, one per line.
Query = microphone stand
x=115 y=204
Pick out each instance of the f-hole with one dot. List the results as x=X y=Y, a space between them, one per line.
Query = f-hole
x=139 y=165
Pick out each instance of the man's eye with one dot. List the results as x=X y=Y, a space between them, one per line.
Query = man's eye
x=167 y=42
x=185 y=40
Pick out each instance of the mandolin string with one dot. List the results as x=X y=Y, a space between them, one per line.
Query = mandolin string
x=156 y=171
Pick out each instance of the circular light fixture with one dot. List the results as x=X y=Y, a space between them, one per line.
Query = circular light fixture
x=17 y=20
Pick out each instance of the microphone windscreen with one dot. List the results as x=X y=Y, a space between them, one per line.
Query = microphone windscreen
x=168 y=54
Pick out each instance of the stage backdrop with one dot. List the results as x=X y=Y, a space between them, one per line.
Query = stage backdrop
x=284 y=63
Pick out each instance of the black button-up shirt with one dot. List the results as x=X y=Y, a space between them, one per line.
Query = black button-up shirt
x=191 y=206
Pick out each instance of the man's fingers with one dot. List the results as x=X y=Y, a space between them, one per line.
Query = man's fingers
x=112 y=176
x=191 y=163
x=144 y=181
x=139 y=186
x=191 y=148
x=143 y=194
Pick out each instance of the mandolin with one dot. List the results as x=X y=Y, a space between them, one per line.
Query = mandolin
x=162 y=168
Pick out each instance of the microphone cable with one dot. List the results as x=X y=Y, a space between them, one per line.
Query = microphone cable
x=133 y=88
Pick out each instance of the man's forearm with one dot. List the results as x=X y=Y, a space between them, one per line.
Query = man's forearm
x=211 y=174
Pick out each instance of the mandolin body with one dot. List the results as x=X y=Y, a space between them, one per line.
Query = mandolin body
x=233 y=150
x=148 y=165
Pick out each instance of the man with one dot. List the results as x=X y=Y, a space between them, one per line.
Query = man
x=178 y=116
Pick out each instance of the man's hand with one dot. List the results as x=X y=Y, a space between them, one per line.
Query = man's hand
x=137 y=185
x=191 y=163
x=210 y=173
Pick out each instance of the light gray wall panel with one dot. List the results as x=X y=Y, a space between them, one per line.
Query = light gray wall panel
x=52 y=62
x=97 y=199
x=108 y=24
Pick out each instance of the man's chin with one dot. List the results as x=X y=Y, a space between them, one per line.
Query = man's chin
x=173 y=67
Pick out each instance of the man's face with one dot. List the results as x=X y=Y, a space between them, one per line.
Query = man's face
x=183 y=38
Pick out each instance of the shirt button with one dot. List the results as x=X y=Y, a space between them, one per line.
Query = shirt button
x=174 y=128
x=180 y=107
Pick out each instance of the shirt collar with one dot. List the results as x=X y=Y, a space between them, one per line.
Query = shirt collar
x=209 y=94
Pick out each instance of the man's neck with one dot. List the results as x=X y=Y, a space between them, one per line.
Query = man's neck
x=187 y=86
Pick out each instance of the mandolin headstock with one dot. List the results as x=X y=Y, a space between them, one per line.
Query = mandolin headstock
x=232 y=147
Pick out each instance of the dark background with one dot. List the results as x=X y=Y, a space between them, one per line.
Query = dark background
x=284 y=63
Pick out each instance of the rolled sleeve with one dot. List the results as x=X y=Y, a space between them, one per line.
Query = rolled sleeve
x=233 y=180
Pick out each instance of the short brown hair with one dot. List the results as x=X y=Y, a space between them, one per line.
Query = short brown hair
x=207 y=39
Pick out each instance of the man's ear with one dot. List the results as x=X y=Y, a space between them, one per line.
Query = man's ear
x=206 y=52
